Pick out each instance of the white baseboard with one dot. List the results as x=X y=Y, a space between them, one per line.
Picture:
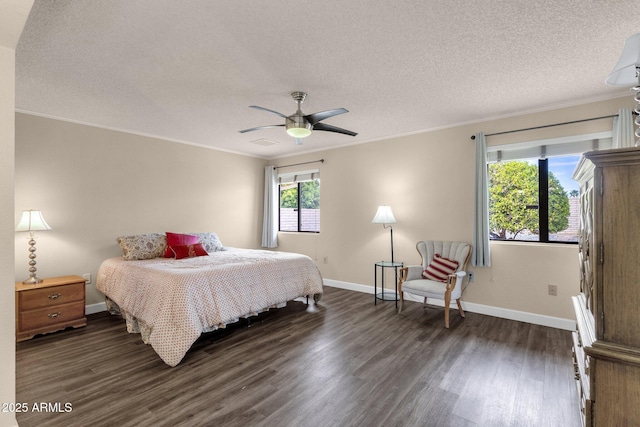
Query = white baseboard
x=504 y=313
x=95 y=308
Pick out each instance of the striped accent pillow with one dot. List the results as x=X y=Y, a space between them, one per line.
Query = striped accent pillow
x=440 y=268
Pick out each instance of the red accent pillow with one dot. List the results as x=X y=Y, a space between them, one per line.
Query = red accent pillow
x=177 y=239
x=440 y=268
x=188 y=251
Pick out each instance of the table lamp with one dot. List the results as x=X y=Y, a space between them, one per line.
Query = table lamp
x=32 y=221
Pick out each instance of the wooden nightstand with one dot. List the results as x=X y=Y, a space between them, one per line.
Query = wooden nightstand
x=56 y=303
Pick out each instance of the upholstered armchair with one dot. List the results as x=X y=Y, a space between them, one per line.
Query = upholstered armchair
x=440 y=276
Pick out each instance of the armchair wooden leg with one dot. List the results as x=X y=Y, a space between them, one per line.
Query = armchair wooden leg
x=400 y=301
x=447 y=301
x=460 y=308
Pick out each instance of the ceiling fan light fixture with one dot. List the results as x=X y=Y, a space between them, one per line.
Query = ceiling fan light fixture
x=299 y=132
x=297 y=126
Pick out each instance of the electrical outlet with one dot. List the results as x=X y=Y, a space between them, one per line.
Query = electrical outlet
x=471 y=277
x=87 y=278
x=553 y=290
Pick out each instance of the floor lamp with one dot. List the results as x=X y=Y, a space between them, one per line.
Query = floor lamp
x=385 y=217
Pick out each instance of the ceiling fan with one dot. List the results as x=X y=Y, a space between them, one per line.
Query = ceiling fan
x=300 y=125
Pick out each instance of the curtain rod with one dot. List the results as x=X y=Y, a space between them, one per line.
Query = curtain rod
x=555 y=124
x=298 y=164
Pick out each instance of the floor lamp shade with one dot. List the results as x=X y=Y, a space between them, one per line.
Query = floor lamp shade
x=32 y=221
x=384 y=215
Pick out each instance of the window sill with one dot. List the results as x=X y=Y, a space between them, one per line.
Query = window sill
x=304 y=233
x=531 y=243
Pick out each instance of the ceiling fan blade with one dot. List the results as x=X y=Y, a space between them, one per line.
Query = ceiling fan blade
x=266 y=109
x=260 y=127
x=321 y=115
x=329 y=128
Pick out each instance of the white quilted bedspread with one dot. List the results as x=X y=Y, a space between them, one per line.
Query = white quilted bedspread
x=175 y=301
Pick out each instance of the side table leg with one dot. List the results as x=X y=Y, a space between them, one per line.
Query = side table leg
x=375 y=284
x=396 y=270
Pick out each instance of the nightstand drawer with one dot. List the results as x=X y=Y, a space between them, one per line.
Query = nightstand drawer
x=47 y=297
x=51 y=316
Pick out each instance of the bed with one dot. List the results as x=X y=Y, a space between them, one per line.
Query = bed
x=171 y=302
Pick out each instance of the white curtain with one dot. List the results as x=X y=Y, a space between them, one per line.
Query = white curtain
x=623 y=129
x=480 y=256
x=270 y=218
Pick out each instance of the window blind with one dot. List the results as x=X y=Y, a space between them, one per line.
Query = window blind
x=541 y=149
x=300 y=176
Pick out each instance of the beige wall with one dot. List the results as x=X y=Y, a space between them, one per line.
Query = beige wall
x=427 y=179
x=93 y=185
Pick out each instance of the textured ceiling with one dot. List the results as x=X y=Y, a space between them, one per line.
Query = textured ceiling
x=188 y=70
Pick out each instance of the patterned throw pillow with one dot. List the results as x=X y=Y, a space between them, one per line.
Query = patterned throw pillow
x=176 y=239
x=210 y=241
x=142 y=246
x=440 y=268
x=187 y=251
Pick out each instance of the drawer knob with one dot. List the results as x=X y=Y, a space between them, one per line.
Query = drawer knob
x=55 y=296
x=53 y=315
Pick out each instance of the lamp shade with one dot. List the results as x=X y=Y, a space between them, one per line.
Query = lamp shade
x=32 y=221
x=384 y=216
x=624 y=73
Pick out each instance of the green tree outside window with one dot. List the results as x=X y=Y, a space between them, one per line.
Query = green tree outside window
x=513 y=200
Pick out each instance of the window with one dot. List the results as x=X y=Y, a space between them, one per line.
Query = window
x=534 y=200
x=532 y=196
x=300 y=204
x=562 y=168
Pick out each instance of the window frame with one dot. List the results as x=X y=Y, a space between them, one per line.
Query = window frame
x=298 y=209
x=563 y=147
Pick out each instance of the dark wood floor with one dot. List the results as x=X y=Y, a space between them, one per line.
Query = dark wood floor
x=349 y=364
